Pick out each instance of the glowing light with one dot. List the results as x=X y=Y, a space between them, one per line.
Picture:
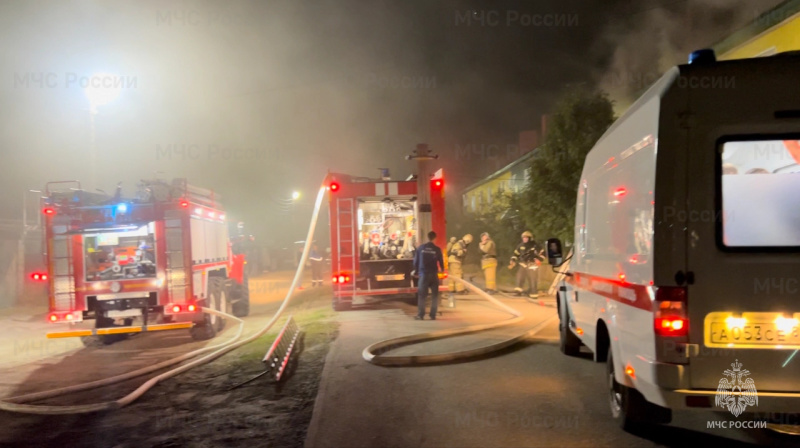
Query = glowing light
x=785 y=324
x=101 y=89
x=334 y=186
x=185 y=204
x=176 y=309
x=620 y=192
x=49 y=211
x=122 y=208
x=579 y=330
x=630 y=372
x=622 y=277
x=295 y=195
x=68 y=316
x=53 y=318
x=211 y=214
x=222 y=217
x=732 y=322
x=198 y=211
x=192 y=308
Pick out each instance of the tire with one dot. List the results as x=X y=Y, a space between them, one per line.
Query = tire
x=104 y=339
x=340 y=305
x=569 y=344
x=629 y=408
x=240 y=306
x=211 y=324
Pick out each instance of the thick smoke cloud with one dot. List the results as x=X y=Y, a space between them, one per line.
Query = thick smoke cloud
x=652 y=37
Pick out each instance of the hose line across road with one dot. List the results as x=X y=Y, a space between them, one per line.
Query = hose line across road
x=374 y=354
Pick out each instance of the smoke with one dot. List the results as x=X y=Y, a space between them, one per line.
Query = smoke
x=649 y=38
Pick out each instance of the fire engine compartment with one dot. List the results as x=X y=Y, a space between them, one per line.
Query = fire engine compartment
x=119 y=254
x=386 y=242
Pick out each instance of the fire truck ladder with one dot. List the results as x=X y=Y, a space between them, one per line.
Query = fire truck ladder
x=345 y=232
x=63 y=273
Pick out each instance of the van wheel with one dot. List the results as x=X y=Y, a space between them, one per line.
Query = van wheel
x=569 y=343
x=629 y=407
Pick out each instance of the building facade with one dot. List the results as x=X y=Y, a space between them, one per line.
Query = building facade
x=774 y=31
x=512 y=178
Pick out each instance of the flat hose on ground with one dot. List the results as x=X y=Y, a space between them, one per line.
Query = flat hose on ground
x=372 y=354
x=16 y=404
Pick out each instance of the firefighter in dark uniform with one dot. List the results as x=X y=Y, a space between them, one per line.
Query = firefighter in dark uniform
x=529 y=257
x=428 y=262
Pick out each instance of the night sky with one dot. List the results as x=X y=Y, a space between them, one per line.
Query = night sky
x=257 y=99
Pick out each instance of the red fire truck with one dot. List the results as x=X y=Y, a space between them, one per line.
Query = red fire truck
x=375 y=226
x=162 y=255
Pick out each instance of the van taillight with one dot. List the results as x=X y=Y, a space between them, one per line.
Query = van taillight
x=670 y=316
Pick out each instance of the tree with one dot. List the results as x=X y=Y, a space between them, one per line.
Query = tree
x=581 y=117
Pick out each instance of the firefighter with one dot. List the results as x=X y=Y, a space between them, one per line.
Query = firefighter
x=447 y=251
x=457 y=254
x=529 y=257
x=316 y=266
x=489 y=262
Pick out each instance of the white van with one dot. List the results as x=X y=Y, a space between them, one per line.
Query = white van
x=685 y=274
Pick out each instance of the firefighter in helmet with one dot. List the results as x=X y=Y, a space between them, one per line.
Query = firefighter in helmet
x=489 y=262
x=529 y=257
x=447 y=251
x=456 y=256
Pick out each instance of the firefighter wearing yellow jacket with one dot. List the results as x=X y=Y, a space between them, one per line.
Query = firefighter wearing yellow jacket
x=489 y=262
x=529 y=257
x=456 y=256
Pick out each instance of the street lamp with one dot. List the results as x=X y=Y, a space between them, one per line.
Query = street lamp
x=295 y=195
x=101 y=89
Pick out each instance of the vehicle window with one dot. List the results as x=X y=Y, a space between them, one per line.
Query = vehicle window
x=760 y=211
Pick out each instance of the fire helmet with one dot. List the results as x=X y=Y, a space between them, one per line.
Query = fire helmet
x=528 y=234
x=467 y=238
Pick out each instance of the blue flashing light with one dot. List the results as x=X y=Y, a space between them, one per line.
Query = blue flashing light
x=701 y=56
x=122 y=208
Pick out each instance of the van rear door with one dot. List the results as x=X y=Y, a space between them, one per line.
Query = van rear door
x=743 y=222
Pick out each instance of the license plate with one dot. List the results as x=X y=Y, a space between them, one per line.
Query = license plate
x=753 y=330
x=386 y=278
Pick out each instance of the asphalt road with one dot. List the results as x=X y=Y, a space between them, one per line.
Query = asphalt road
x=530 y=395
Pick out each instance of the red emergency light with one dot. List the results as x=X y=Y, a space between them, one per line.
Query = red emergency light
x=621 y=191
x=341 y=278
x=49 y=211
x=184 y=203
x=39 y=276
x=333 y=186
x=438 y=183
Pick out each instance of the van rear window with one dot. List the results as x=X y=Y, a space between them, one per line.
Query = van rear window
x=761 y=193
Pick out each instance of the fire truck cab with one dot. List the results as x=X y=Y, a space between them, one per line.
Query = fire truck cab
x=162 y=255
x=375 y=229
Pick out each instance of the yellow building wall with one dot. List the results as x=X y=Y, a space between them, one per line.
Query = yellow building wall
x=493 y=186
x=783 y=37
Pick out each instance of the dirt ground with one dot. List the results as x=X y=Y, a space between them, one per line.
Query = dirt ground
x=200 y=408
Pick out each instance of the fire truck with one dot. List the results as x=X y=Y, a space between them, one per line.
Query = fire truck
x=155 y=260
x=375 y=227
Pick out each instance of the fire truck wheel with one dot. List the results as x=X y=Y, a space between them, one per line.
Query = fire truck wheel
x=629 y=407
x=341 y=305
x=569 y=343
x=211 y=324
x=240 y=298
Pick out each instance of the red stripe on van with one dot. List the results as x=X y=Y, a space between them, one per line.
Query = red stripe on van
x=626 y=293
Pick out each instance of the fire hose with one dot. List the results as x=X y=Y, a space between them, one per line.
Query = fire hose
x=18 y=403
x=372 y=354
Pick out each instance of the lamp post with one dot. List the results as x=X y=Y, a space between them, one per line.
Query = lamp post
x=101 y=89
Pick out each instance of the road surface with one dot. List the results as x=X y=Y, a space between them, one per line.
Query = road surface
x=530 y=395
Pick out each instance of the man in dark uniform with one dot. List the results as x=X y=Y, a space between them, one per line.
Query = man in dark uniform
x=428 y=261
x=530 y=257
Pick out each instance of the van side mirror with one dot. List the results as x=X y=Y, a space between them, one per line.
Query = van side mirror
x=555 y=256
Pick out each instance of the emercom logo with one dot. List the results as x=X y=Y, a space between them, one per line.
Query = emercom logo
x=738 y=393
